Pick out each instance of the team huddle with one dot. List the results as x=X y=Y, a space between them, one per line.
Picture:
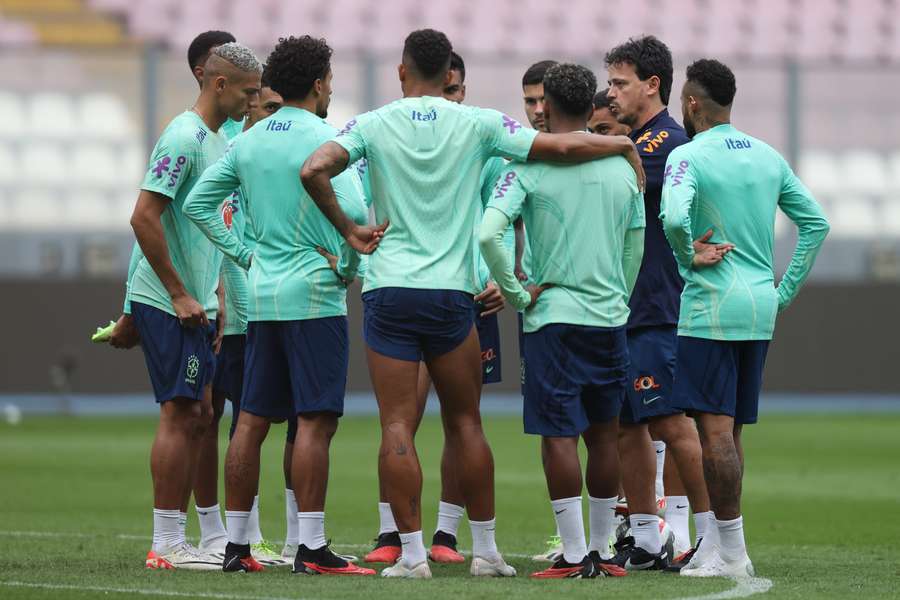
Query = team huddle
x=638 y=254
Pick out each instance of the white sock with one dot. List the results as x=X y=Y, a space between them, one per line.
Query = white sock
x=660 y=448
x=312 y=529
x=236 y=521
x=731 y=539
x=645 y=529
x=167 y=531
x=253 y=531
x=448 y=517
x=570 y=523
x=678 y=512
x=386 y=518
x=211 y=526
x=603 y=524
x=290 y=517
x=182 y=523
x=484 y=543
x=413 y=548
x=705 y=528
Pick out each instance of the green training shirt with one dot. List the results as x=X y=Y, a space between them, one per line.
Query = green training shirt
x=732 y=183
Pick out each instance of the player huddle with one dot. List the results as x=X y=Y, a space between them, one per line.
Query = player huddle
x=639 y=258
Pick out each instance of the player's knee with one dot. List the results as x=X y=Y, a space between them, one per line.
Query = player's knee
x=318 y=425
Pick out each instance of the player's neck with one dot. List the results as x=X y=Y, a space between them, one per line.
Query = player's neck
x=567 y=125
x=706 y=122
x=417 y=89
x=209 y=113
x=308 y=104
x=653 y=108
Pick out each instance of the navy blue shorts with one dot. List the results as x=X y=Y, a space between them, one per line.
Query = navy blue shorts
x=229 y=379
x=720 y=377
x=180 y=359
x=295 y=367
x=574 y=376
x=489 y=338
x=652 y=354
x=411 y=324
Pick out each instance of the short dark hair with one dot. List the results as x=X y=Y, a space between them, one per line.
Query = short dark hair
x=535 y=73
x=295 y=64
x=457 y=64
x=430 y=51
x=204 y=43
x=571 y=88
x=601 y=99
x=715 y=78
x=649 y=57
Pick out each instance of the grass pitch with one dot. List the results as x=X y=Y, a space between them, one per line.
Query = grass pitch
x=821 y=500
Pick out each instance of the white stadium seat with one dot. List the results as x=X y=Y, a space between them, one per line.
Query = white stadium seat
x=36 y=209
x=863 y=171
x=45 y=163
x=854 y=218
x=9 y=167
x=52 y=115
x=818 y=170
x=87 y=210
x=13 y=123
x=105 y=116
x=95 y=164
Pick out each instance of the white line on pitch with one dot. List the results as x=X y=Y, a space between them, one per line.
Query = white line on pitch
x=139 y=591
x=742 y=589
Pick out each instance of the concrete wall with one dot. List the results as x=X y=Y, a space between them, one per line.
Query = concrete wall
x=833 y=339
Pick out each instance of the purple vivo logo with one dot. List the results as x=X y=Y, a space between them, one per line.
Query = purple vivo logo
x=503 y=187
x=162 y=165
x=177 y=171
x=511 y=124
x=350 y=125
x=679 y=174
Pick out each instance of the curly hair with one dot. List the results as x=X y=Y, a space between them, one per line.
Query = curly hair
x=601 y=99
x=715 y=78
x=649 y=57
x=238 y=55
x=535 y=73
x=458 y=64
x=571 y=87
x=429 y=51
x=203 y=44
x=295 y=64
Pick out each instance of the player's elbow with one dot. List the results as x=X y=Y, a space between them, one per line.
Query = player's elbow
x=309 y=172
x=485 y=239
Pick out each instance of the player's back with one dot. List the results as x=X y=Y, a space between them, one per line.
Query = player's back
x=289 y=279
x=577 y=217
x=425 y=157
x=738 y=182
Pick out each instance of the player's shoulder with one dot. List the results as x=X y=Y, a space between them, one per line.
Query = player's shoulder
x=185 y=131
x=661 y=136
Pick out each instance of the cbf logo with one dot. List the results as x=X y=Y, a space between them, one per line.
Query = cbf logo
x=192 y=369
x=645 y=383
x=229 y=207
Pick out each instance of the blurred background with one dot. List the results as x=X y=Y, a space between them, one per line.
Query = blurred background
x=86 y=86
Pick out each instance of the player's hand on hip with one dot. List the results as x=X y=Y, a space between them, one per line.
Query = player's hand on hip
x=708 y=255
x=124 y=335
x=189 y=311
x=365 y=238
x=535 y=291
x=491 y=299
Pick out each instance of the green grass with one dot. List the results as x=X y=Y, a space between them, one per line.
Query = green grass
x=821 y=500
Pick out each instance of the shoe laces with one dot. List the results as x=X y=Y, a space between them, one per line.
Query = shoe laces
x=265 y=546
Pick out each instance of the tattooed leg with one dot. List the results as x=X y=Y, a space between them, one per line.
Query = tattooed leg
x=722 y=465
x=242 y=461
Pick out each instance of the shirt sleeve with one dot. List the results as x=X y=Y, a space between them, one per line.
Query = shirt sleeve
x=503 y=136
x=351 y=138
x=678 y=193
x=505 y=206
x=171 y=163
x=136 y=256
x=348 y=189
x=633 y=252
x=202 y=207
x=798 y=204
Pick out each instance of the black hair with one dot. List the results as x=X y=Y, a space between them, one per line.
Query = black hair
x=571 y=88
x=535 y=73
x=429 y=51
x=715 y=78
x=295 y=64
x=649 y=57
x=204 y=43
x=457 y=64
x=264 y=79
x=601 y=100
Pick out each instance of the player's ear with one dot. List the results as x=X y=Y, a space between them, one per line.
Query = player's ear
x=653 y=85
x=220 y=83
x=448 y=77
x=401 y=72
x=317 y=85
x=198 y=74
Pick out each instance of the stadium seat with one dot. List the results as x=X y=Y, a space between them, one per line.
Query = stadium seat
x=88 y=210
x=132 y=166
x=854 y=218
x=105 y=116
x=14 y=125
x=52 y=115
x=890 y=219
x=819 y=172
x=9 y=167
x=36 y=209
x=94 y=164
x=864 y=172
x=893 y=174
x=45 y=163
